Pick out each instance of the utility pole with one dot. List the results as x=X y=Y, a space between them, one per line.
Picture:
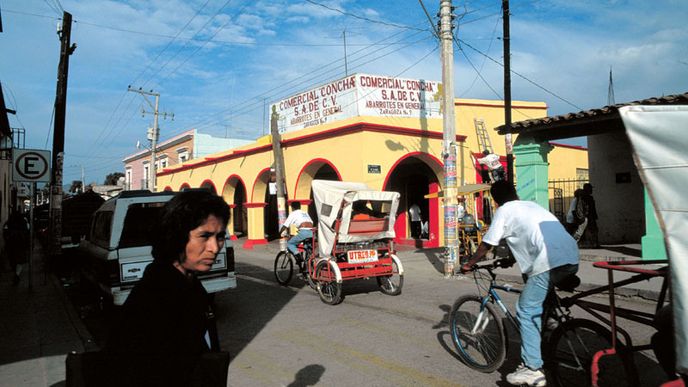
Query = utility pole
x=346 y=64
x=279 y=174
x=83 y=183
x=154 y=133
x=507 y=94
x=450 y=200
x=66 y=49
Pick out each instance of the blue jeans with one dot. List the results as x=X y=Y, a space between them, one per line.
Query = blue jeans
x=294 y=241
x=529 y=315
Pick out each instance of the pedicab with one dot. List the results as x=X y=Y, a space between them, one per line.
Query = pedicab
x=353 y=240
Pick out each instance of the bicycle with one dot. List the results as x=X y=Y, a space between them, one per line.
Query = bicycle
x=481 y=338
x=285 y=262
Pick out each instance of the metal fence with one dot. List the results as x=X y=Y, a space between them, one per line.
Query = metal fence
x=561 y=194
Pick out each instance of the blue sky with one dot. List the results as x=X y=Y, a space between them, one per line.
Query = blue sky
x=217 y=63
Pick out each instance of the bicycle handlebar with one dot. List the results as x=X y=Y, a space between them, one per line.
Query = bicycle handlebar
x=497 y=263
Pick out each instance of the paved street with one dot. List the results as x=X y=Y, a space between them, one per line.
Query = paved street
x=286 y=336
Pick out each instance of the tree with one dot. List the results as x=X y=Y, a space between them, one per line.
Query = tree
x=111 y=179
x=77 y=186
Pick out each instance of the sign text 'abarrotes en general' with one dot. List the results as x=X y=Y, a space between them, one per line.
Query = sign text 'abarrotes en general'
x=359 y=95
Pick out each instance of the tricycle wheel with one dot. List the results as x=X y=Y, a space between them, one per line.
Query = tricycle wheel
x=391 y=284
x=329 y=289
x=284 y=267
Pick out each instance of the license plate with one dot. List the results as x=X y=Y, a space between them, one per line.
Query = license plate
x=361 y=256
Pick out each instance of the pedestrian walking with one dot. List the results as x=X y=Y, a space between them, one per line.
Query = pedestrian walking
x=16 y=235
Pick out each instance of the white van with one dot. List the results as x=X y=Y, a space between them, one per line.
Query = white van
x=117 y=248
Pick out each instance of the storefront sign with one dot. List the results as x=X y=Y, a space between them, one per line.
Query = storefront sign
x=359 y=95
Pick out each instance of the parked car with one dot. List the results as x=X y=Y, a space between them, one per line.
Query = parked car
x=117 y=248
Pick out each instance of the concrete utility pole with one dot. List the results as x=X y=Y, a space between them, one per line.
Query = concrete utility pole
x=154 y=133
x=279 y=174
x=450 y=200
x=507 y=94
x=66 y=49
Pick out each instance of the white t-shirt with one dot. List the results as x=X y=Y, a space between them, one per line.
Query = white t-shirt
x=491 y=161
x=297 y=218
x=414 y=212
x=569 y=215
x=536 y=237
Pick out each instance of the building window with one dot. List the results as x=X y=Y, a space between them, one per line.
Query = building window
x=127 y=179
x=182 y=155
x=582 y=174
x=146 y=176
x=162 y=163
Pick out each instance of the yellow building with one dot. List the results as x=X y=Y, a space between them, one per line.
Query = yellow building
x=362 y=128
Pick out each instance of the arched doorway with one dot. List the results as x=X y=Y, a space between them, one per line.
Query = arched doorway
x=414 y=176
x=184 y=187
x=234 y=193
x=209 y=185
x=320 y=169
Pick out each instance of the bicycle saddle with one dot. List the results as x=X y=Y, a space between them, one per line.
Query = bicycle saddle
x=568 y=283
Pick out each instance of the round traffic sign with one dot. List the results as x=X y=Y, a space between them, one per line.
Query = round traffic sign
x=31 y=166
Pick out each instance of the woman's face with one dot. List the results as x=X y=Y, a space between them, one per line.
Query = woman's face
x=205 y=242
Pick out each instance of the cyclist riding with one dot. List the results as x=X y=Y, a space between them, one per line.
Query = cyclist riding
x=304 y=223
x=545 y=252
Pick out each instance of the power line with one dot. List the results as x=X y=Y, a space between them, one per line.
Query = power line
x=357 y=16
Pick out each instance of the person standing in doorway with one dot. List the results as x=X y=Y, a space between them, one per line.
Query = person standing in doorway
x=415 y=216
x=587 y=208
x=16 y=235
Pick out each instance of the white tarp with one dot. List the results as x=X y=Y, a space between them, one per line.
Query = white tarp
x=331 y=196
x=659 y=137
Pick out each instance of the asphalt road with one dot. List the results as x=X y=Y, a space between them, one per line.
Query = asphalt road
x=285 y=336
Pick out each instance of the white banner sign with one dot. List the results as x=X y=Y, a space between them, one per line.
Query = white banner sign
x=359 y=95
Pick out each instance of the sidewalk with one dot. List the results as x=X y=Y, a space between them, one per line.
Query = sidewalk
x=38 y=327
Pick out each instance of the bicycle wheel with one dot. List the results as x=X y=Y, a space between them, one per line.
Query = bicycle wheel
x=478 y=334
x=284 y=267
x=570 y=351
x=391 y=284
x=329 y=289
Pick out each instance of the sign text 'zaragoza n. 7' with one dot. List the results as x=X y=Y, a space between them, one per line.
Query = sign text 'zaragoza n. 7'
x=359 y=95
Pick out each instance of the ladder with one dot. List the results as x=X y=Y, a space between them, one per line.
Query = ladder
x=483 y=137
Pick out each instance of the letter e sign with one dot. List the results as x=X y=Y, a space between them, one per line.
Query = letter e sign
x=31 y=165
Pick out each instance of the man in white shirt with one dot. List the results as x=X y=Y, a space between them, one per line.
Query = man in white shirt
x=545 y=253
x=414 y=214
x=303 y=221
x=491 y=161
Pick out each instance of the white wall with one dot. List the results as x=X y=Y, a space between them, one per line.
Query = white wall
x=620 y=206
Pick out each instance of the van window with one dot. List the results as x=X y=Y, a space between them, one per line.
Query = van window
x=139 y=224
x=102 y=226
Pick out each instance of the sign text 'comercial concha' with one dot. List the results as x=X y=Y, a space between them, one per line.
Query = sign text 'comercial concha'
x=359 y=95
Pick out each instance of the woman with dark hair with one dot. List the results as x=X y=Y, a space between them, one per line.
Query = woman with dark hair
x=167 y=320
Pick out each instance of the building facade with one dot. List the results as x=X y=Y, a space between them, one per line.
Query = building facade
x=395 y=146
x=176 y=150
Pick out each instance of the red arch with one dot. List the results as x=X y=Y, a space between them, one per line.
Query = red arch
x=167 y=188
x=422 y=157
x=184 y=185
x=321 y=160
x=230 y=178
x=434 y=203
x=253 y=187
x=209 y=182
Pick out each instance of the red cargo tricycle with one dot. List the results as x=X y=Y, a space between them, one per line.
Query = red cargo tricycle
x=353 y=240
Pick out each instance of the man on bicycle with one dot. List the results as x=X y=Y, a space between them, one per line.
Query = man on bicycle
x=303 y=221
x=545 y=253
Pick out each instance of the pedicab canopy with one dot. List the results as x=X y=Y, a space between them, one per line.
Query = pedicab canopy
x=335 y=199
x=659 y=137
